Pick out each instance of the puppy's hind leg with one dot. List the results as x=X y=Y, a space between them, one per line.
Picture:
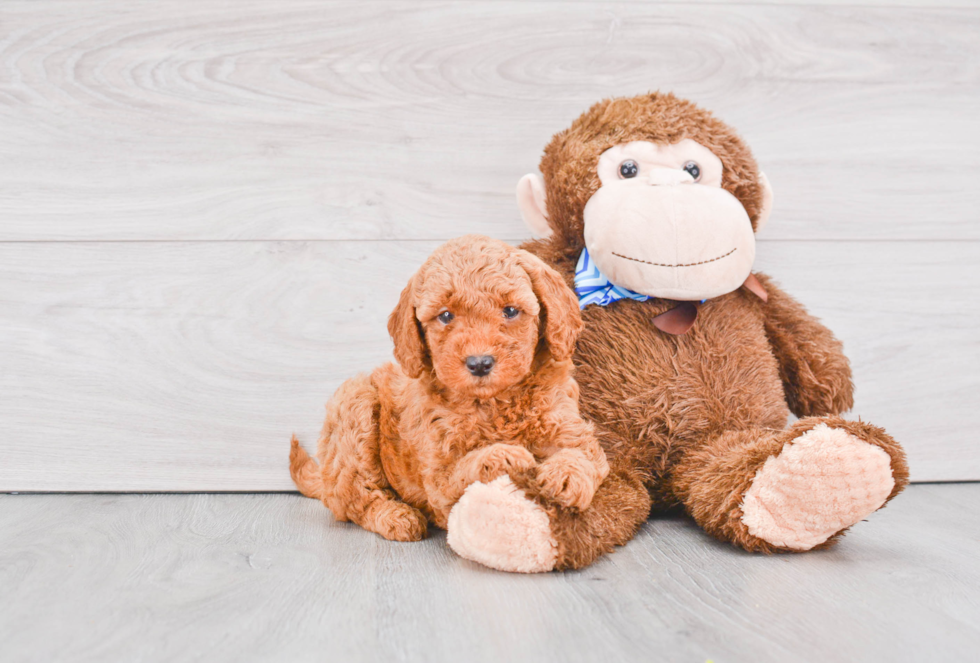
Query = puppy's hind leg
x=354 y=484
x=383 y=513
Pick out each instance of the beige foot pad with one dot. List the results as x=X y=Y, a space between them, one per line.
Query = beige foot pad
x=495 y=525
x=822 y=483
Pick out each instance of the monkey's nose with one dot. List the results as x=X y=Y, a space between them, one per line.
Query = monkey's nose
x=480 y=365
x=668 y=176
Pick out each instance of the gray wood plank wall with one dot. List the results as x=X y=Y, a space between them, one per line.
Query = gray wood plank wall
x=207 y=210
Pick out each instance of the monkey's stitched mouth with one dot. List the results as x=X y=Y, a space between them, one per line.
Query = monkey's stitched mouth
x=690 y=264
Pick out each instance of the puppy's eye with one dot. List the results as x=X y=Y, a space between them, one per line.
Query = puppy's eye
x=628 y=169
x=693 y=169
x=445 y=317
x=510 y=312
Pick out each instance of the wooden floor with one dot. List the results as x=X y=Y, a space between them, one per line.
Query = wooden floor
x=273 y=578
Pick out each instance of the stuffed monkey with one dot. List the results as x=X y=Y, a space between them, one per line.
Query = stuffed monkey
x=689 y=364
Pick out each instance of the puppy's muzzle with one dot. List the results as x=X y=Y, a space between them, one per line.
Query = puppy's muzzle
x=480 y=365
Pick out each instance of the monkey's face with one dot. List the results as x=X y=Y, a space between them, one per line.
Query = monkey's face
x=665 y=196
x=662 y=225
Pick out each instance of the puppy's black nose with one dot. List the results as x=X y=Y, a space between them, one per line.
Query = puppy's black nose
x=479 y=366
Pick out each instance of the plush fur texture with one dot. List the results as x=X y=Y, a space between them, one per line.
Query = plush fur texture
x=819 y=484
x=511 y=534
x=714 y=481
x=693 y=419
x=399 y=447
x=569 y=162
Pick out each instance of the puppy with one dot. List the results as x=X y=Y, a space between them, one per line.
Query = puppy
x=483 y=335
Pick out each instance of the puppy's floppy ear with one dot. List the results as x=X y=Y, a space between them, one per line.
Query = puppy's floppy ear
x=406 y=332
x=562 y=319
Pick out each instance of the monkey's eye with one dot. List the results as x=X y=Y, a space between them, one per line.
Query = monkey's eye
x=445 y=317
x=510 y=312
x=693 y=169
x=628 y=169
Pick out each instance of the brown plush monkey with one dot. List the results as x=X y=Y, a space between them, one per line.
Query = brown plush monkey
x=689 y=365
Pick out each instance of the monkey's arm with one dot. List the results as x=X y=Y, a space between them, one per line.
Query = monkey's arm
x=815 y=373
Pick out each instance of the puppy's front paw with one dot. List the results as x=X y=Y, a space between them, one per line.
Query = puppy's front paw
x=568 y=478
x=504 y=459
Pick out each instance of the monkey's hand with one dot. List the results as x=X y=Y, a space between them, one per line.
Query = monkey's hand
x=815 y=373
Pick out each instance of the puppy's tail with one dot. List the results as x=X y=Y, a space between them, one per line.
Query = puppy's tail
x=305 y=471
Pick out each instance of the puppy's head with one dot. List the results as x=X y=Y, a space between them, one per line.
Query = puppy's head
x=478 y=312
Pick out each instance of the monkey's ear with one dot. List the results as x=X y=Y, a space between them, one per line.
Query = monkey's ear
x=531 y=198
x=561 y=316
x=767 y=196
x=406 y=333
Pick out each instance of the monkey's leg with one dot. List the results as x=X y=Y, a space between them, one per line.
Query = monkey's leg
x=791 y=490
x=355 y=486
x=506 y=526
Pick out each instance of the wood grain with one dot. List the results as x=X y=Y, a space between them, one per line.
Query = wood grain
x=185 y=366
x=246 y=577
x=175 y=177
x=372 y=120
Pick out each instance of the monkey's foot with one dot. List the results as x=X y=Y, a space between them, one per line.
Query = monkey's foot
x=821 y=483
x=496 y=525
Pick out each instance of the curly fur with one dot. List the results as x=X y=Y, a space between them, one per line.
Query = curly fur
x=399 y=447
x=685 y=419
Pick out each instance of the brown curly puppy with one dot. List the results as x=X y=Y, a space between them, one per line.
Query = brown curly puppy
x=484 y=334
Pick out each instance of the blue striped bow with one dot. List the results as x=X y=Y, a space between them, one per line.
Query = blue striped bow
x=592 y=287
